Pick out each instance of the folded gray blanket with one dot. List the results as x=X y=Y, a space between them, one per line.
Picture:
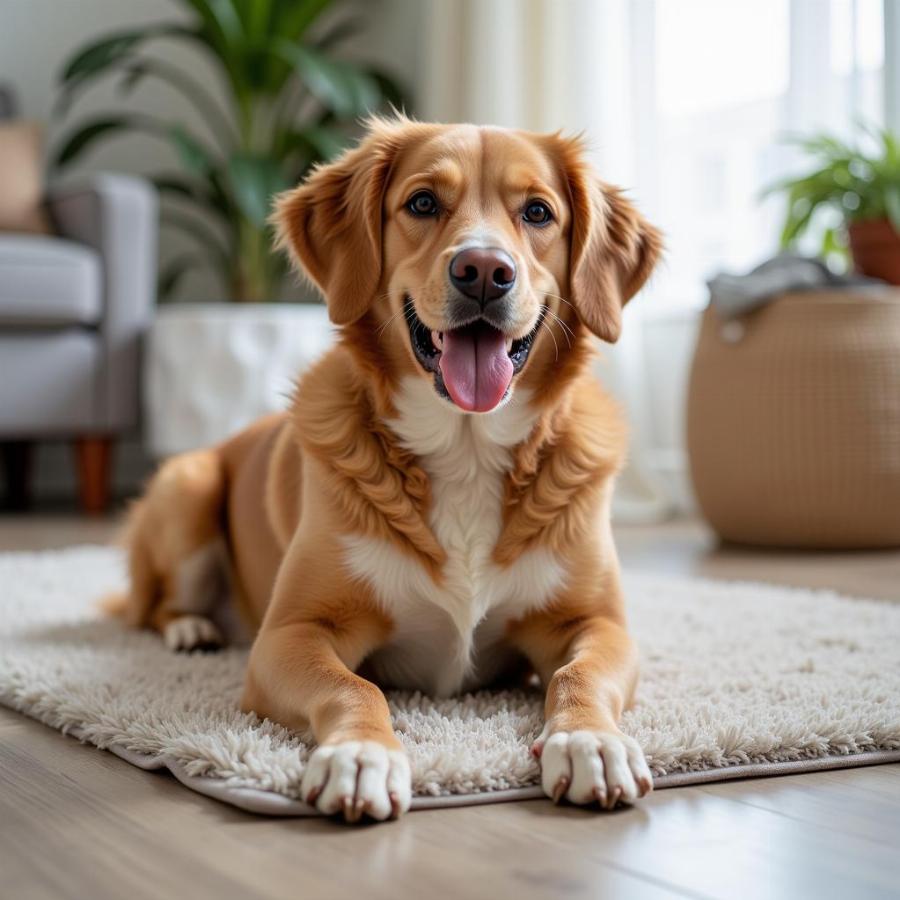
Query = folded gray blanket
x=734 y=295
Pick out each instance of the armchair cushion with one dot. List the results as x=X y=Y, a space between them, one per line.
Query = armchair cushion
x=49 y=383
x=46 y=281
x=116 y=216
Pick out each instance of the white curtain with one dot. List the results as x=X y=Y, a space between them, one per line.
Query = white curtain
x=546 y=65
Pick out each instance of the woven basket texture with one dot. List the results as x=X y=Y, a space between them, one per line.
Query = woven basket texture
x=793 y=421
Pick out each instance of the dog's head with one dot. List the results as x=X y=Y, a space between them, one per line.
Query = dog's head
x=467 y=250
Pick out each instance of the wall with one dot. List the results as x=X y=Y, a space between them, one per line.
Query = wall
x=37 y=35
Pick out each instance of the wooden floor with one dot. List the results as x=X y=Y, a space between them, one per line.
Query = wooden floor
x=76 y=822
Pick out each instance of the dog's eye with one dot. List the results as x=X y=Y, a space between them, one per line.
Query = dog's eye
x=537 y=213
x=422 y=203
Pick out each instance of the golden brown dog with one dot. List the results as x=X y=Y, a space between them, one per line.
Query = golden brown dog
x=434 y=509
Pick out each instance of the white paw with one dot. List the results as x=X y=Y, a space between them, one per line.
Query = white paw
x=592 y=766
x=187 y=633
x=357 y=778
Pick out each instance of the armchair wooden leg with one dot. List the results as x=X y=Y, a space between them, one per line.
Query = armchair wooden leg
x=93 y=456
x=17 y=458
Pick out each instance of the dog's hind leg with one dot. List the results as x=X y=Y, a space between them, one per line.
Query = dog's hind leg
x=185 y=615
x=177 y=556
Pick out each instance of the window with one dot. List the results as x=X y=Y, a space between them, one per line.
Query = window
x=728 y=83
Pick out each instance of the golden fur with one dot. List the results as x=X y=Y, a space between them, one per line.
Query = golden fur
x=287 y=492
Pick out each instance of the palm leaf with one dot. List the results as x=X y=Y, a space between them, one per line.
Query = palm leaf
x=87 y=135
x=223 y=30
x=314 y=143
x=337 y=32
x=193 y=191
x=175 y=270
x=858 y=183
x=337 y=85
x=101 y=57
x=107 y=51
x=257 y=17
x=831 y=242
x=254 y=181
x=193 y=153
x=293 y=17
x=206 y=105
x=222 y=19
x=201 y=233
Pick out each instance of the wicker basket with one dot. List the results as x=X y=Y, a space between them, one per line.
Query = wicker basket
x=793 y=425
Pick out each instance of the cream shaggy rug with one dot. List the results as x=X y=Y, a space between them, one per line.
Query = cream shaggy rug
x=738 y=679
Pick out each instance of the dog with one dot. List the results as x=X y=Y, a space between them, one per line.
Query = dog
x=432 y=513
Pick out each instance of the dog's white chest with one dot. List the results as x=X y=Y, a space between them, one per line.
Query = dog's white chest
x=450 y=637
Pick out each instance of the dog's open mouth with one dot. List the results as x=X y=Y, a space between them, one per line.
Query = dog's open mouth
x=473 y=365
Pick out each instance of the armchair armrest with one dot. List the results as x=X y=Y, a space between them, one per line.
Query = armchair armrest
x=116 y=215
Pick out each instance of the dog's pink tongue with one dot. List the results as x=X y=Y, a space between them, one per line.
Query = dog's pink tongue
x=476 y=368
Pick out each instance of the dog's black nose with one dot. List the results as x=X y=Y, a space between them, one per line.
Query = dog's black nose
x=483 y=273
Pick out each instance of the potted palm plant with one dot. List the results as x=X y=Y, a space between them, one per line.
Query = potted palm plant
x=860 y=182
x=290 y=100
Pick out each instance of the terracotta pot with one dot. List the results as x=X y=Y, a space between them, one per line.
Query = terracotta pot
x=875 y=246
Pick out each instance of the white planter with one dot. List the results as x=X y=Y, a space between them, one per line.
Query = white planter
x=211 y=368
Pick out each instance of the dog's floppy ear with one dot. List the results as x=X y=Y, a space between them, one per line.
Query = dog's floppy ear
x=613 y=248
x=331 y=223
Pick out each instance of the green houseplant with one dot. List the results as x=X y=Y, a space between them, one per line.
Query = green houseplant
x=290 y=102
x=862 y=183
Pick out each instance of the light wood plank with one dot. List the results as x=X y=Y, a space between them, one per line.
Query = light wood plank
x=80 y=822
x=76 y=822
x=864 y=804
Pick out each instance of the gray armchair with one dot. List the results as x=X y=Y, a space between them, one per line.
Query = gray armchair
x=72 y=312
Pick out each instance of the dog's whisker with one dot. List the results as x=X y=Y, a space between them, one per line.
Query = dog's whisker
x=403 y=309
x=382 y=328
x=557 y=297
x=545 y=324
x=562 y=321
x=550 y=332
x=566 y=331
x=556 y=318
x=568 y=342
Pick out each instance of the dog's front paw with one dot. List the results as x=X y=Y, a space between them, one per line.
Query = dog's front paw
x=592 y=766
x=358 y=778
